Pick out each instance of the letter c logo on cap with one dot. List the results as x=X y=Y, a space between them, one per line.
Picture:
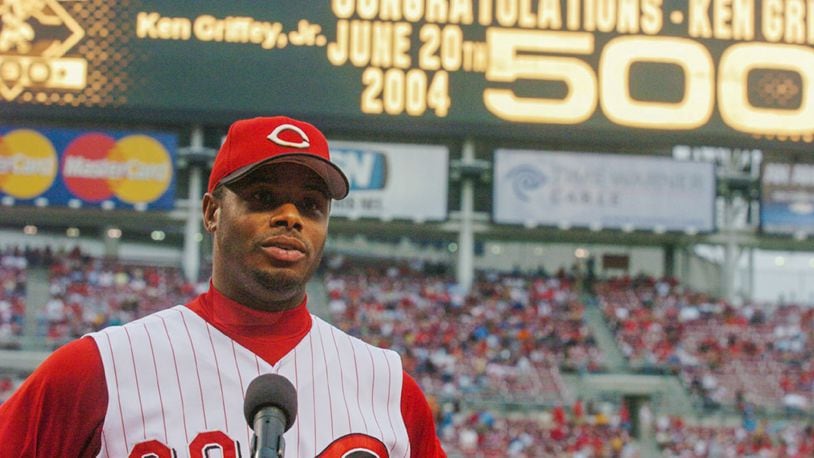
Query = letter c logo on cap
x=274 y=136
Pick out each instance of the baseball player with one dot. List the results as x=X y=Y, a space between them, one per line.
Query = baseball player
x=173 y=383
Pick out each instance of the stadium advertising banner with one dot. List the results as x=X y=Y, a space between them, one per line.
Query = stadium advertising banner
x=393 y=181
x=602 y=191
x=787 y=197
x=738 y=69
x=84 y=168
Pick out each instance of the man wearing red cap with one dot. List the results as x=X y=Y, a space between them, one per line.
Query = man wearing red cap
x=173 y=383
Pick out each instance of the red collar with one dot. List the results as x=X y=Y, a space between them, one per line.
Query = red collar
x=271 y=335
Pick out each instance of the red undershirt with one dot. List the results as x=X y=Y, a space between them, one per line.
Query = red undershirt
x=60 y=409
x=270 y=335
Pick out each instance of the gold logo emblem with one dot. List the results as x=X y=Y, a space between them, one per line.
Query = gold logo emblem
x=35 y=35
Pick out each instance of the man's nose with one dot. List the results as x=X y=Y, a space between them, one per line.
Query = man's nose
x=287 y=215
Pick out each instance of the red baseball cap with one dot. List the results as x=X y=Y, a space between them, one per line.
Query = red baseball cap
x=253 y=143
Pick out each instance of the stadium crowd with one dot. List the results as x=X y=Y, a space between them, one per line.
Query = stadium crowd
x=508 y=337
x=726 y=355
x=787 y=439
x=13 y=269
x=88 y=293
x=593 y=429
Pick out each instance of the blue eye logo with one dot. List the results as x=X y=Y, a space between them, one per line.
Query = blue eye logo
x=524 y=180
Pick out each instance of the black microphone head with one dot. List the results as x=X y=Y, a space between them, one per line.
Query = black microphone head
x=270 y=390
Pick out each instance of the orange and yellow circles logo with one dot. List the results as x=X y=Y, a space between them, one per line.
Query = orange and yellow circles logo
x=137 y=169
x=28 y=164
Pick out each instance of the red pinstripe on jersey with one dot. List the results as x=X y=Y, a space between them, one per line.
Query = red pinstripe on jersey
x=157 y=386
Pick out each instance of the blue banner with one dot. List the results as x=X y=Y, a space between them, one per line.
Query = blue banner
x=787 y=198
x=87 y=168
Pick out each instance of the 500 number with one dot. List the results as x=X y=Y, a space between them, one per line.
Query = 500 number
x=512 y=57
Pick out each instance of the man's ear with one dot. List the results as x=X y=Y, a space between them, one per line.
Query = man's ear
x=210 y=206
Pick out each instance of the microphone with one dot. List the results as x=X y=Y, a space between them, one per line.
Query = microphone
x=270 y=408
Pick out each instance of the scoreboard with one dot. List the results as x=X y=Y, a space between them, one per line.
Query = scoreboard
x=737 y=70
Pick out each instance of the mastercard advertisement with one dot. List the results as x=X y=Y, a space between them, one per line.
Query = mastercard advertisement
x=87 y=168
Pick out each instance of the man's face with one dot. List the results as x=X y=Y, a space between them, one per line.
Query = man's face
x=269 y=231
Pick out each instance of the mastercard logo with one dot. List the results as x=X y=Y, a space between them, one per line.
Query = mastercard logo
x=28 y=163
x=137 y=168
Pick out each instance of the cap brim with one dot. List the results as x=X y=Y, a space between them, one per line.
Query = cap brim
x=335 y=179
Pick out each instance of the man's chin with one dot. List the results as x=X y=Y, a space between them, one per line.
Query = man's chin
x=280 y=285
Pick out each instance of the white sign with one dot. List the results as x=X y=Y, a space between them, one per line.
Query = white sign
x=602 y=191
x=393 y=181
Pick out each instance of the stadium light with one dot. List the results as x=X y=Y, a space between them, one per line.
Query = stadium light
x=158 y=235
x=72 y=232
x=114 y=233
x=30 y=229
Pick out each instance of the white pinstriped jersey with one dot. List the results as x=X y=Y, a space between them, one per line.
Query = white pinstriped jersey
x=176 y=384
